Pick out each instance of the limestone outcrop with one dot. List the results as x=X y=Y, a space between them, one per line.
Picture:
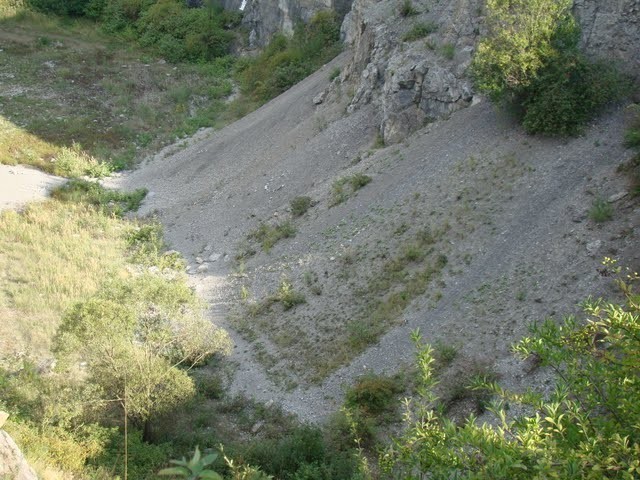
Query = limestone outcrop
x=414 y=81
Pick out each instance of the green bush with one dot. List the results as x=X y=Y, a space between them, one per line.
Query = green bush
x=586 y=429
x=373 y=394
x=530 y=59
x=407 y=9
x=300 y=205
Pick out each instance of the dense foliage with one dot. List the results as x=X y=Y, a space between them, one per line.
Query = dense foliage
x=169 y=27
x=530 y=59
x=587 y=428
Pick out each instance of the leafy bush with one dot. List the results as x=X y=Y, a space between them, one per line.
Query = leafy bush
x=586 y=429
x=601 y=210
x=300 y=205
x=530 y=59
x=73 y=162
x=373 y=394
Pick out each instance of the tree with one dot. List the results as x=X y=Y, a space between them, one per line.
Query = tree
x=139 y=337
x=589 y=428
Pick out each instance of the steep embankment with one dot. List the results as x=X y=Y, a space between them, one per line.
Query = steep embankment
x=469 y=230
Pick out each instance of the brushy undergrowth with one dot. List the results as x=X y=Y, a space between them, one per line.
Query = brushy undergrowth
x=530 y=59
x=586 y=427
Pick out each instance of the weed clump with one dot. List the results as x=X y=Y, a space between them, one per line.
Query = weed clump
x=112 y=202
x=300 y=205
x=407 y=9
x=269 y=235
x=601 y=210
x=345 y=187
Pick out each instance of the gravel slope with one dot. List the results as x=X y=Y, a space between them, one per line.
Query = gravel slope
x=519 y=242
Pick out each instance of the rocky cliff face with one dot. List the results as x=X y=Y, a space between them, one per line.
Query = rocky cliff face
x=263 y=18
x=415 y=81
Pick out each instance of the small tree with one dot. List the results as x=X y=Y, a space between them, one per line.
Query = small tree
x=530 y=59
x=138 y=339
x=589 y=428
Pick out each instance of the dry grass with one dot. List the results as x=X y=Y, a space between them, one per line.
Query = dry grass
x=52 y=255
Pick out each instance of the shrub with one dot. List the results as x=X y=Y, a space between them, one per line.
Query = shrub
x=530 y=59
x=601 y=210
x=407 y=9
x=287 y=296
x=338 y=192
x=300 y=205
x=60 y=7
x=372 y=394
x=73 y=162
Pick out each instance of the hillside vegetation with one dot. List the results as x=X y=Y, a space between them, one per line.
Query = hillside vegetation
x=329 y=247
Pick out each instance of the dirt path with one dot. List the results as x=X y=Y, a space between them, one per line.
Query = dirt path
x=20 y=185
x=520 y=246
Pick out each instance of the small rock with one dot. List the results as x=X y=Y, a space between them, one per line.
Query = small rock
x=203 y=268
x=214 y=257
x=319 y=98
x=593 y=247
x=208 y=247
x=618 y=196
x=199 y=260
x=257 y=427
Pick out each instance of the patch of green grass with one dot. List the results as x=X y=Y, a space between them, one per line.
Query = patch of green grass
x=444 y=353
x=419 y=30
x=268 y=235
x=335 y=73
x=300 y=205
x=112 y=202
x=287 y=296
x=448 y=51
x=407 y=9
x=343 y=188
x=601 y=210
